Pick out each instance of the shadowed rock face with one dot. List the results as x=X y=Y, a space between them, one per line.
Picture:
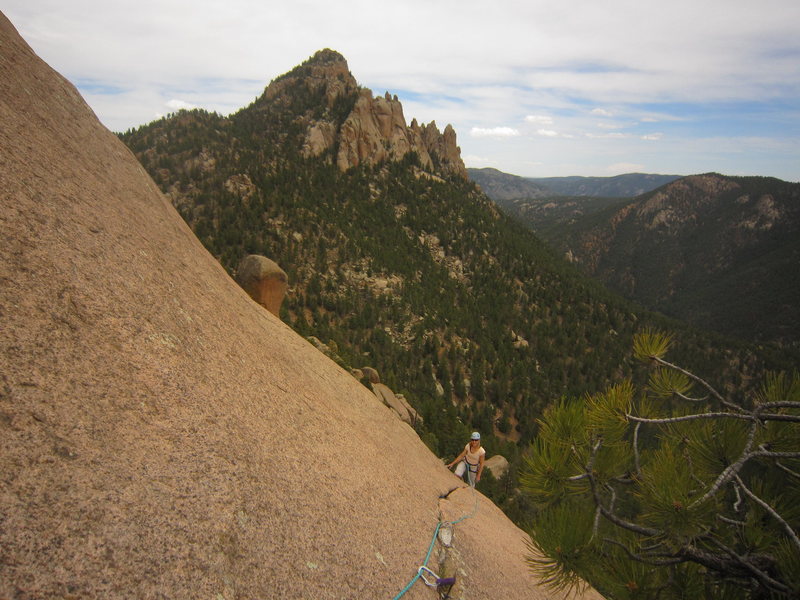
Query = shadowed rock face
x=161 y=436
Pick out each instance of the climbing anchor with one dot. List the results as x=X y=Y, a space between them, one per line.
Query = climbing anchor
x=438 y=581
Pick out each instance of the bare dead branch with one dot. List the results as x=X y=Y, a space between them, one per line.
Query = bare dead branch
x=647 y=531
x=732 y=470
x=731 y=521
x=636 y=448
x=737 y=506
x=657 y=560
x=780 y=404
x=768 y=454
x=700 y=381
x=696 y=417
x=765 y=579
x=688 y=399
x=596 y=523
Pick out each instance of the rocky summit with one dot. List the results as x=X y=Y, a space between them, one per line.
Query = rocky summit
x=375 y=129
x=162 y=435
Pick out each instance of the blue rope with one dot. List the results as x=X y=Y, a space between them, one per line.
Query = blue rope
x=433 y=542
x=425 y=564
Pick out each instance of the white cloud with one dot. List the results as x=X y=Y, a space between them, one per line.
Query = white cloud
x=539 y=119
x=607 y=136
x=176 y=104
x=471 y=160
x=653 y=136
x=540 y=64
x=499 y=132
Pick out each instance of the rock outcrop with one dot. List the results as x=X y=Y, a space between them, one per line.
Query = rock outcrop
x=371 y=375
x=374 y=130
x=497 y=464
x=162 y=436
x=326 y=72
x=264 y=281
x=397 y=403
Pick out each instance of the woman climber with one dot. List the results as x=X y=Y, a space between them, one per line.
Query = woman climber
x=470 y=459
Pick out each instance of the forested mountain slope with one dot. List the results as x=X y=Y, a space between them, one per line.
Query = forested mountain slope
x=397 y=261
x=718 y=252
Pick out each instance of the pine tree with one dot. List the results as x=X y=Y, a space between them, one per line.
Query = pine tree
x=668 y=495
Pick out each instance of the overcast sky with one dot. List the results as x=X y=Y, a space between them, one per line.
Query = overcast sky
x=534 y=88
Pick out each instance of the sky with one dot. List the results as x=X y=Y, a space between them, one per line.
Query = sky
x=534 y=88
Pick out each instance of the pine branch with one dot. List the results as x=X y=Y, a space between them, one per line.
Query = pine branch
x=607 y=513
x=700 y=381
x=636 y=449
x=732 y=470
x=596 y=524
x=714 y=415
x=652 y=547
x=731 y=521
x=745 y=416
x=780 y=404
x=779 y=417
x=688 y=399
x=658 y=562
x=768 y=454
x=773 y=513
x=738 y=504
x=765 y=579
x=787 y=470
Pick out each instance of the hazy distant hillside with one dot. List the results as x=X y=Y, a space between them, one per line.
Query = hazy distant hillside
x=504 y=186
x=619 y=186
x=719 y=252
x=542 y=203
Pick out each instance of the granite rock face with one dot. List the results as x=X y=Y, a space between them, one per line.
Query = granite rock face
x=161 y=436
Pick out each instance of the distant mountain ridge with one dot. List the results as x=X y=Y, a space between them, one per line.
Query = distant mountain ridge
x=546 y=202
x=628 y=185
x=504 y=186
x=719 y=252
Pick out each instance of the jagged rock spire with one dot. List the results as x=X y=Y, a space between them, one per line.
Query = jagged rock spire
x=374 y=130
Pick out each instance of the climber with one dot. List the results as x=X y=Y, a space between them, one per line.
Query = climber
x=471 y=459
